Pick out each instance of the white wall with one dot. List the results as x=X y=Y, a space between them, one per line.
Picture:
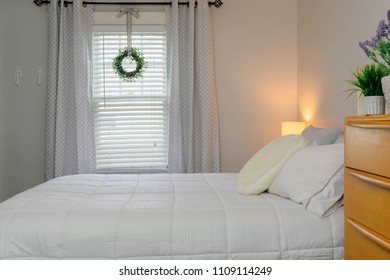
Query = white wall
x=22 y=109
x=256 y=72
x=328 y=52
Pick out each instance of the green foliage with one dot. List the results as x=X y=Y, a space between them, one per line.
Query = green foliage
x=368 y=80
x=135 y=55
x=381 y=55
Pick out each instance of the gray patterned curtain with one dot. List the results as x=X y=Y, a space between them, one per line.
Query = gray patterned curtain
x=193 y=115
x=69 y=123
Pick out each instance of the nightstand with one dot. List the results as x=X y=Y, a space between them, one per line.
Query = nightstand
x=367 y=187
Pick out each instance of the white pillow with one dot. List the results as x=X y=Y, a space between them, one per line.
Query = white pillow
x=323 y=136
x=313 y=177
x=260 y=171
x=330 y=198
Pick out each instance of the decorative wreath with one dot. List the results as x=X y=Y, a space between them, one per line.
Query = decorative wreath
x=135 y=55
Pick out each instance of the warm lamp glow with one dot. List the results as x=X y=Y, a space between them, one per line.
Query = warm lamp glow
x=292 y=128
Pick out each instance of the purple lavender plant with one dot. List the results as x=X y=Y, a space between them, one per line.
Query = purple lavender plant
x=382 y=30
x=378 y=48
x=388 y=15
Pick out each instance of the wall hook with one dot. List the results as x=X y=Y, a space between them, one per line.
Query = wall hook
x=39 y=73
x=18 y=74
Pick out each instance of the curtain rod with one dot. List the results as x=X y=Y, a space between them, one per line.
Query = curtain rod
x=216 y=3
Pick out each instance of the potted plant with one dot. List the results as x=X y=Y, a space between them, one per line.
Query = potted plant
x=367 y=82
x=378 y=50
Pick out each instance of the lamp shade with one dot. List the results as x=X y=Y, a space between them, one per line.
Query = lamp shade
x=292 y=128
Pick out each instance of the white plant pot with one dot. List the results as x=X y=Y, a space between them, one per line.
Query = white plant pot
x=374 y=105
x=386 y=90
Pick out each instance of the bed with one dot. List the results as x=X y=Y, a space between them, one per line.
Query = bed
x=285 y=203
x=162 y=216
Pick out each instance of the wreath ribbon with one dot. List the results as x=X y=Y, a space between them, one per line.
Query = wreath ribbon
x=129 y=52
x=130 y=12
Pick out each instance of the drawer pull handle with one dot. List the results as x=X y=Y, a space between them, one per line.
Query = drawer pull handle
x=378 y=239
x=372 y=181
x=371 y=126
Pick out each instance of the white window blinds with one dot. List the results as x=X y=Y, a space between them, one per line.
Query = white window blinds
x=131 y=119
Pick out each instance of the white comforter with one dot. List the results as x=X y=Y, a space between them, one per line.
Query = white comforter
x=165 y=216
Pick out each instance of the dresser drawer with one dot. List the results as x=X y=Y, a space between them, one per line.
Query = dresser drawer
x=367 y=200
x=367 y=146
x=363 y=244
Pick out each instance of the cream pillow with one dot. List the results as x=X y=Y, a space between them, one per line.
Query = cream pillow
x=260 y=171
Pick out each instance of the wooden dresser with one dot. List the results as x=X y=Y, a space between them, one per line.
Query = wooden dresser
x=367 y=187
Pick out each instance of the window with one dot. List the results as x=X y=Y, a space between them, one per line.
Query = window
x=131 y=119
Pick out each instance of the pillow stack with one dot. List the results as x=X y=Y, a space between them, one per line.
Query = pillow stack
x=307 y=168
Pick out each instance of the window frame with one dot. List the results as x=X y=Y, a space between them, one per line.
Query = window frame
x=157 y=98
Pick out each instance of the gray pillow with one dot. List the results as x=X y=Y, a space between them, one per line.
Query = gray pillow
x=323 y=136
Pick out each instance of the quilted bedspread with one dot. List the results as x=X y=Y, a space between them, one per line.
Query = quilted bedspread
x=162 y=216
